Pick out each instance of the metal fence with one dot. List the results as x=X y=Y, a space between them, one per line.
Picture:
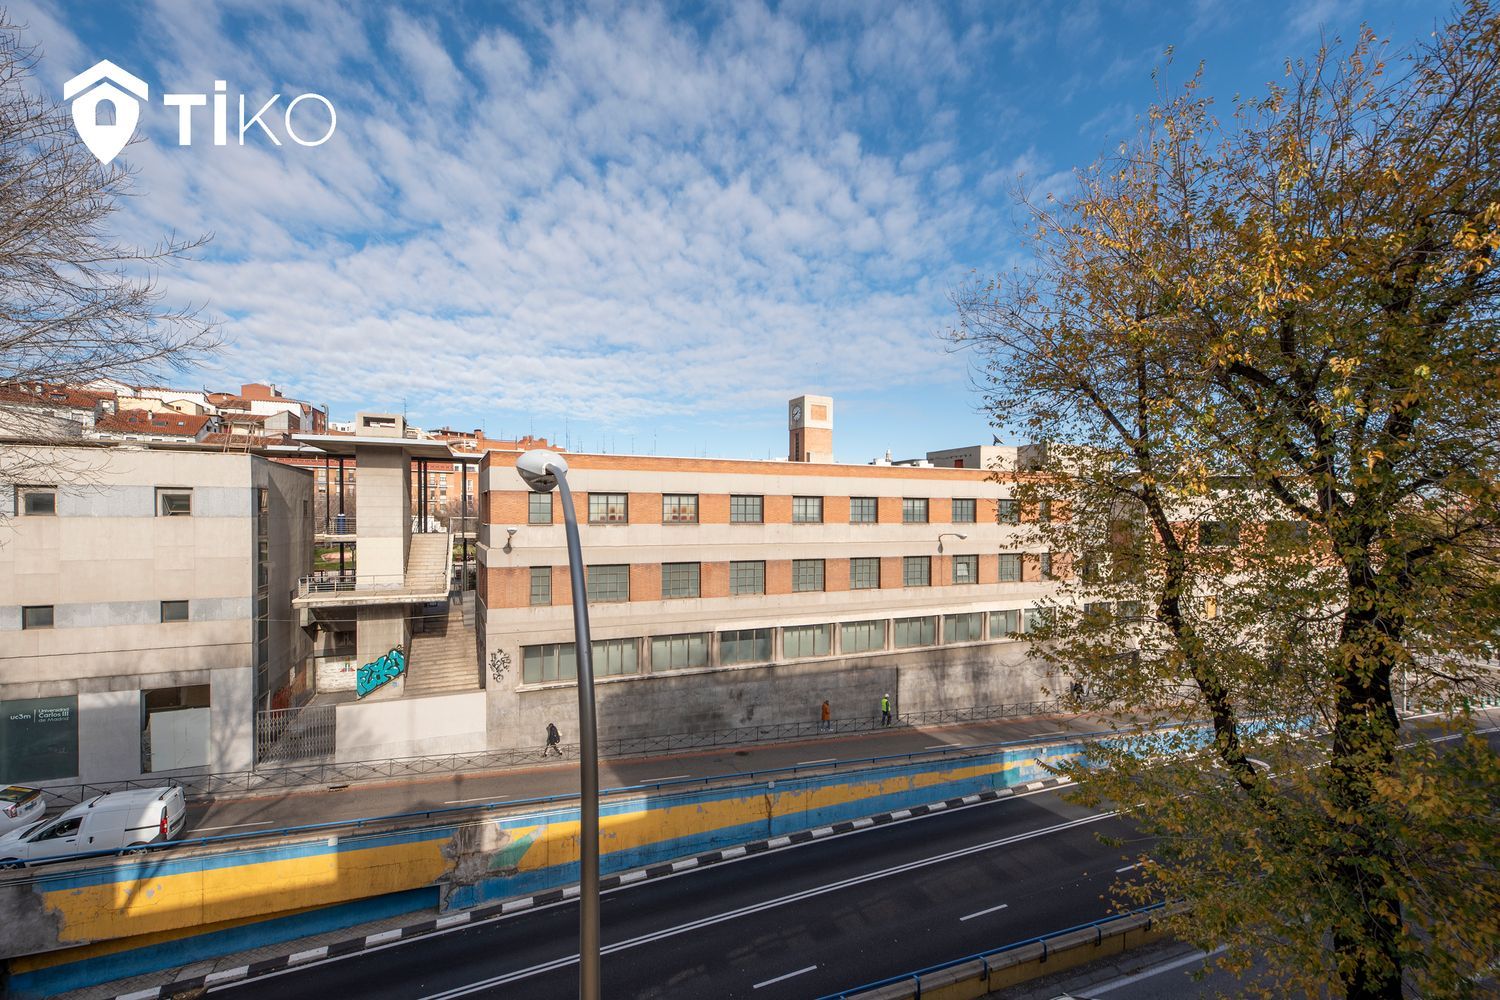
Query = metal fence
x=310 y=732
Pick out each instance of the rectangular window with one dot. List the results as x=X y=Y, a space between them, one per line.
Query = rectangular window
x=1008 y=511
x=863 y=510
x=914 y=510
x=1044 y=512
x=679 y=508
x=608 y=508
x=965 y=569
x=916 y=571
x=555 y=661
x=36 y=616
x=608 y=584
x=1128 y=611
x=38 y=739
x=1005 y=623
x=613 y=657
x=807 y=574
x=1097 y=612
x=1035 y=618
x=1218 y=534
x=798 y=641
x=747 y=577
x=861 y=637
x=864 y=573
x=174 y=611
x=679 y=652
x=539 y=508
x=746 y=510
x=174 y=502
x=1286 y=534
x=36 y=501
x=541 y=585
x=1010 y=567
x=909 y=632
x=1210 y=608
x=807 y=510
x=679 y=580
x=963 y=510
x=963 y=628
x=1044 y=561
x=746 y=645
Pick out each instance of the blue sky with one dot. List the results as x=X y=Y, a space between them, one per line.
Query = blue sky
x=640 y=227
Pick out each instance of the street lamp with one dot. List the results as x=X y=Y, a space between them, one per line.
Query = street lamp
x=948 y=534
x=542 y=470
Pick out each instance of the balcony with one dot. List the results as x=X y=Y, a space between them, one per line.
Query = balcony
x=338 y=527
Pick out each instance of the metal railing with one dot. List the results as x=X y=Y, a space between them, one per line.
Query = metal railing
x=334 y=583
x=285 y=735
x=339 y=525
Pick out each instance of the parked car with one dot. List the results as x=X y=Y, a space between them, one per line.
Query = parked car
x=20 y=806
x=107 y=822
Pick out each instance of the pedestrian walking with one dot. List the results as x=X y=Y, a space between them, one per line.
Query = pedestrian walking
x=827 y=716
x=553 y=739
x=885 y=709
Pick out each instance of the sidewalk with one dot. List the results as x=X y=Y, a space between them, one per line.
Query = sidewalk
x=322 y=804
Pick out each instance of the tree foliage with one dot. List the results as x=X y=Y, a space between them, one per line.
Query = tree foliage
x=1265 y=354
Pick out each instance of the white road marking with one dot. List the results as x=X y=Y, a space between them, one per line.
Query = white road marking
x=789 y=975
x=1127 y=868
x=232 y=826
x=943 y=746
x=1156 y=970
x=670 y=777
x=981 y=913
x=480 y=798
x=804 y=763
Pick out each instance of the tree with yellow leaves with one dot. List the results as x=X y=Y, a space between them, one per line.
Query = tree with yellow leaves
x=1272 y=347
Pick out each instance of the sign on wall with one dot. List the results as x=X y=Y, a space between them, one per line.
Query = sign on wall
x=38 y=739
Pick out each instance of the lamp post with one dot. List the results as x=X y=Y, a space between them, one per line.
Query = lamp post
x=542 y=470
x=948 y=534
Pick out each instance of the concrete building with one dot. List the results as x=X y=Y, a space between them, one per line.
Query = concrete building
x=145 y=607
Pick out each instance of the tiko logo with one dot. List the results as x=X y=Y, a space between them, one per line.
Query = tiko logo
x=96 y=86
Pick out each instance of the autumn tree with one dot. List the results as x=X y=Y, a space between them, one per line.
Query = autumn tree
x=1266 y=357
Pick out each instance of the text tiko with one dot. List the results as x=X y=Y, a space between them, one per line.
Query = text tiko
x=186 y=103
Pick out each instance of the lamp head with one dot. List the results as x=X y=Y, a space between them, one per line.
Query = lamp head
x=540 y=468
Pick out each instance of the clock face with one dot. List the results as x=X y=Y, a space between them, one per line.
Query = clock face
x=796 y=413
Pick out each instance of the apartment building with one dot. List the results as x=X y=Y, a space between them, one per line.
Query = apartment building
x=145 y=607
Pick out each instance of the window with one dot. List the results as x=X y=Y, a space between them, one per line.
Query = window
x=798 y=641
x=174 y=502
x=916 y=571
x=914 y=511
x=608 y=508
x=1035 y=618
x=1008 y=511
x=1097 y=612
x=965 y=569
x=539 y=508
x=1044 y=512
x=863 y=510
x=556 y=661
x=864 y=573
x=1286 y=534
x=541 y=585
x=807 y=574
x=746 y=510
x=36 y=501
x=1218 y=534
x=608 y=584
x=1005 y=623
x=861 y=637
x=174 y=611
x=1128 y=611
x=963 y=510
x=613 y=657
x=679 y=580
x=747 y=577
x=1044 y=560
x=963 y=628
x=1210 y=607
x=36 y=616
x=679 y=508
x=746 y=645
x=1010 y=567
x=679 y=652
x=914 y=632
x=807 y=510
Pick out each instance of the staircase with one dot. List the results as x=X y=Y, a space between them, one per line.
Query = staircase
x=442 y=658
x=428 y=562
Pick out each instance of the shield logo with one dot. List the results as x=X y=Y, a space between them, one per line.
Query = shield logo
x=97 y=86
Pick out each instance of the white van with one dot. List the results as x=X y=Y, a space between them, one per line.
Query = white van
x=107 y=822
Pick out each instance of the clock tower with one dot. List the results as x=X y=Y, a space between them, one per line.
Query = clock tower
x=810 y=423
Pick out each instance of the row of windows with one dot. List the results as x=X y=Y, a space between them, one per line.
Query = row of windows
x=41 y=501
x=611 y=583
x=661 y=653
x=43 y=615
x=682 y=508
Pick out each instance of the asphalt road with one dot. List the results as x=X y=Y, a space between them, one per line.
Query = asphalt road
x=798 y=922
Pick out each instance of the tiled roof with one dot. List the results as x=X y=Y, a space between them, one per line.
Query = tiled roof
x=146 y=422
x=52 y=395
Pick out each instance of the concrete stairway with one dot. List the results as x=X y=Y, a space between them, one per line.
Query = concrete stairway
x=442 y=658
x=427 y=562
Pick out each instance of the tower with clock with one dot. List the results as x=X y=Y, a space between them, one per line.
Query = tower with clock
x=810 y=428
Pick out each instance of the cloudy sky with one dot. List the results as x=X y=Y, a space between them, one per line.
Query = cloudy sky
x=639 y=227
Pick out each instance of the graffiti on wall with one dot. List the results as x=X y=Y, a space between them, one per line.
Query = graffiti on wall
x=499 y=664
x=382 y=671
